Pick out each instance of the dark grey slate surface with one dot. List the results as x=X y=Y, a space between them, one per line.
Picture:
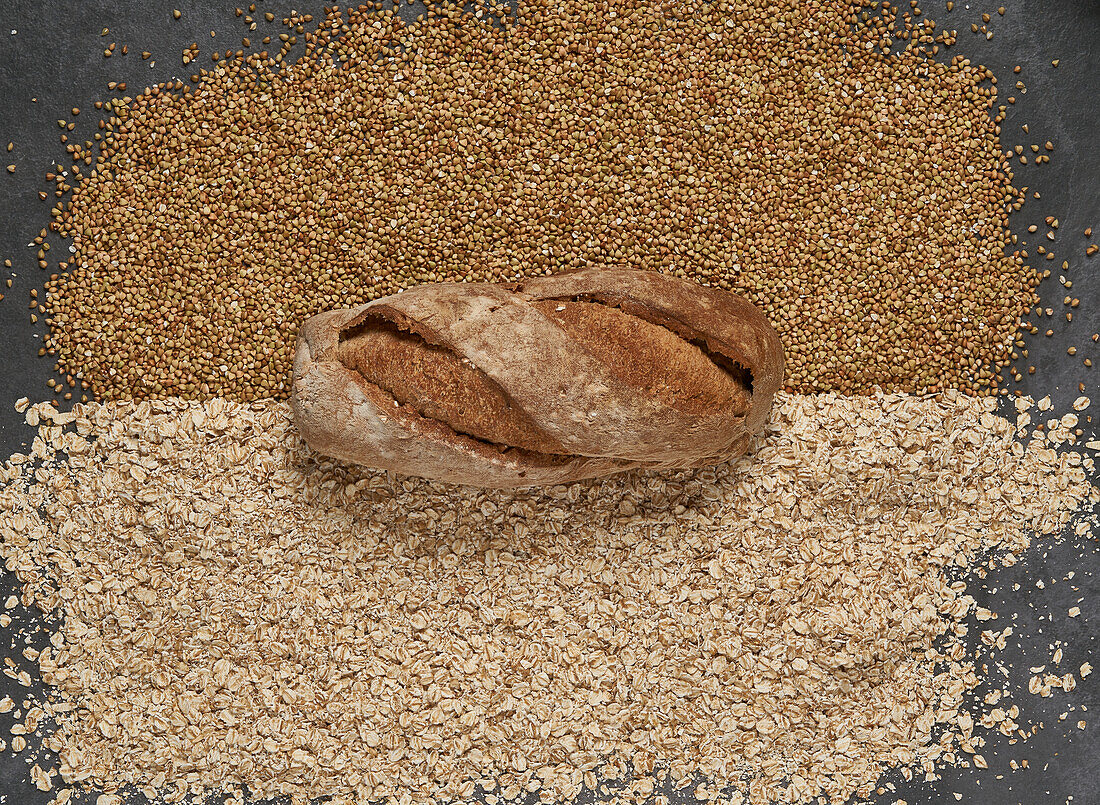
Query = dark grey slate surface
x=51 y=59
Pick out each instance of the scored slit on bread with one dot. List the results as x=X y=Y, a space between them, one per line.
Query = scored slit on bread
x=440 y=385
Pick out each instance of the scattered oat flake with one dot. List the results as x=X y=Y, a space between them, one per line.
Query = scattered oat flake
x=42 y=781
x=398 y=623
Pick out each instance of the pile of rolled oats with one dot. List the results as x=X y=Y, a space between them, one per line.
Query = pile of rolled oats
x=235 y=612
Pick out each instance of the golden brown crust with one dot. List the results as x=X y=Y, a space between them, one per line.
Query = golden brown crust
x=550 y=380
x=727 y=325
x=440 y=385
x=653 y=359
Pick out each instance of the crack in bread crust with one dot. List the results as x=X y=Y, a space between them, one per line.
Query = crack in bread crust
x=438 y=384
x=654 y=358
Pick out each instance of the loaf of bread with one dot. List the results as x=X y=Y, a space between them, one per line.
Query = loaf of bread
x=544 y=381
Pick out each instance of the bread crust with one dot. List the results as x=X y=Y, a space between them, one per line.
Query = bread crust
x=557 y=377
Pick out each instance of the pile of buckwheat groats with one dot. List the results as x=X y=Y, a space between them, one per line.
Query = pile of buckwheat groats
x=239 y=612
x=860 y=198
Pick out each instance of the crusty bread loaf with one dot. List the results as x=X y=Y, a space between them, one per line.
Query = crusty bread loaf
x=545 y=381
